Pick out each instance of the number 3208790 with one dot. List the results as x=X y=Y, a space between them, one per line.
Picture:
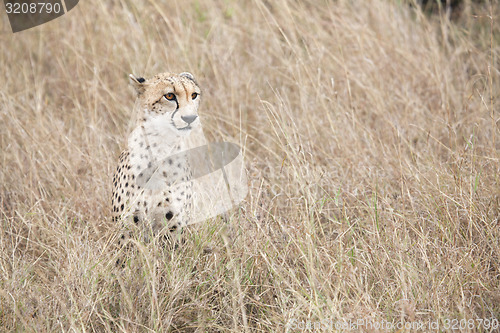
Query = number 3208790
x=33 y=8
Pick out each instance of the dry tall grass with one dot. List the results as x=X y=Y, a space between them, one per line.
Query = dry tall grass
x=371 y=136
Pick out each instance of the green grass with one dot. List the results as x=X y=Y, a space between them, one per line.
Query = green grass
x=371 y=139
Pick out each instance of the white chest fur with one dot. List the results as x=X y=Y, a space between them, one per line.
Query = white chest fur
x=158 y=153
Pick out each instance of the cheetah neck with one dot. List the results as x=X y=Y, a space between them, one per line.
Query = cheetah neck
x=155 y=139
x=158 y=137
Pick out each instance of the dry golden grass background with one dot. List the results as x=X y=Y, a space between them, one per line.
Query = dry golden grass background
x=371 y=139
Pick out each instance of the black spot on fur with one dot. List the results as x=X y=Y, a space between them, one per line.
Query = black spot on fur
x=141 y=80
x=169 y=215
x=136 y=219
x=122 y=206
x=120 y=262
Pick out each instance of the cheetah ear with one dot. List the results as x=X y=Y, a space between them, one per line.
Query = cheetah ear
x=138 y=83
x=187 y=75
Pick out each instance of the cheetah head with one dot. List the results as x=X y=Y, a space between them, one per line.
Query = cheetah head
x=172 y=99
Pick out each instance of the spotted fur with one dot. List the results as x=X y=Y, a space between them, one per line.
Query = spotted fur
x=152 y=186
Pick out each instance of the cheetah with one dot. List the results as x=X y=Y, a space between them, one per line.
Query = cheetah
x=152 y=185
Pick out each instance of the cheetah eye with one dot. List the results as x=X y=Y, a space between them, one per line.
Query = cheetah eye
x=194 y=95
x=169 y=96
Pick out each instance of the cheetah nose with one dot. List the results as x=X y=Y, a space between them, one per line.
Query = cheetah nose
x=189 y=119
